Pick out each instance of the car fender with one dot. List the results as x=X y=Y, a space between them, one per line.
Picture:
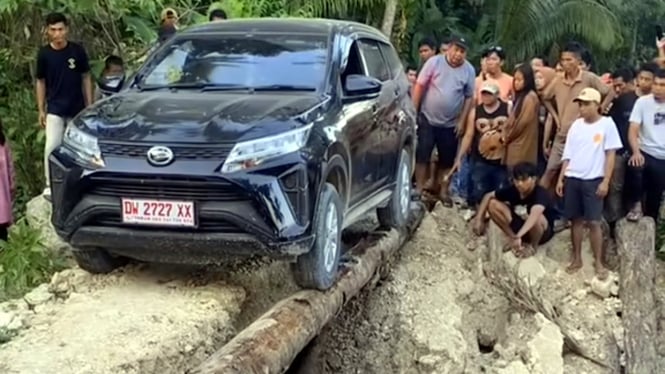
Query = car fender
x=332 y=162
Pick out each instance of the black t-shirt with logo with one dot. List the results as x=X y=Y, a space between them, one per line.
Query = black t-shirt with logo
x=486 y=145
x=539 y=196
x=622 y=106
x=62 y=70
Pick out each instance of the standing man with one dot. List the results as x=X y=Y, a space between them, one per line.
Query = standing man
x=426 y=50
x=493 y=72
x=443 y=95
x=63 y=87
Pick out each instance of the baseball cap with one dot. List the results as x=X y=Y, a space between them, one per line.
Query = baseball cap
x=168 y=13
x=589 y=95
x=459 y=41
x=490 y=88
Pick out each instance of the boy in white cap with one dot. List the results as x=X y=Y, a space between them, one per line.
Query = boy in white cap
x=588 y=162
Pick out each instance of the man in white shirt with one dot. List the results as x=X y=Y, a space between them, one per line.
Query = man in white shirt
x=588 y=161
x=646 y=167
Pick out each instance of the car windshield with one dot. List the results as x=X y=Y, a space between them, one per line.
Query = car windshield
x=240 y=61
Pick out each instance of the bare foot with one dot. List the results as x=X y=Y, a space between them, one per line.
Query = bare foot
x=574 y=267
x=601 y=272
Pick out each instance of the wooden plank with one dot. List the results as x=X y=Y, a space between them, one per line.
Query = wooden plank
x=271 y=343
x=636 y=245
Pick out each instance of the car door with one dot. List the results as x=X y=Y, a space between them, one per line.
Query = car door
x=376 y=67
x=398 y=86
x=359 y=120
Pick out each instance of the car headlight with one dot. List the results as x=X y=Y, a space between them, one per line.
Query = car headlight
x=249 y=154
x=84 y=146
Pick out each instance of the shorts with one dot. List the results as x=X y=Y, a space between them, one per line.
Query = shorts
x=581 y=201
x=486 y=177
x=443 y=138
x=516 y=223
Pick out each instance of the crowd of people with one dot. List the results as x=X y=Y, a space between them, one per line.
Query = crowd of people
x=574 y=148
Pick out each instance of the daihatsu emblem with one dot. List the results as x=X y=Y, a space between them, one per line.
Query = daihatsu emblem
x=160 y=155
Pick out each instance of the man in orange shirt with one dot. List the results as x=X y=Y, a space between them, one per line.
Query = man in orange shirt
x=494 y=57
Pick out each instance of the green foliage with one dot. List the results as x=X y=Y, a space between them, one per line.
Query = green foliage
x=24 y=261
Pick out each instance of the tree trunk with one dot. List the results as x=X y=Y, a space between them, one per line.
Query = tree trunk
x=389 y=17
x=271 y=343
x=638 y=273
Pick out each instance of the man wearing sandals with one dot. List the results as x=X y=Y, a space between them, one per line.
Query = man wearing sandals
x=646 y=166
x=524 y=235
x=588 y=162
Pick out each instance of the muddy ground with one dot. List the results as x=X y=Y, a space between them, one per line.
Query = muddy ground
x=434 y=311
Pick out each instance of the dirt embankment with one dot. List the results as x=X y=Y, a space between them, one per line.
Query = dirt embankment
x=437 y=312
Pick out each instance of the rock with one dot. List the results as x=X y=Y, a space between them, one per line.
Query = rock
x=546 y=348
x=68 y=281
x=38 y=215
x=580 y=294
x=601 y=288
x=515 y=367
x=6 y=319
x=38 y=296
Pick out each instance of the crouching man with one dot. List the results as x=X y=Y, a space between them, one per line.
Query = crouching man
x=525 y=235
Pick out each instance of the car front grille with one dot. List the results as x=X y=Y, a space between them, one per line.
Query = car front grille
x=186 y=152
x=166 y=188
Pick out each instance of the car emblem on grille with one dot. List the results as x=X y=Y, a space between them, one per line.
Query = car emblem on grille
x=160 y=155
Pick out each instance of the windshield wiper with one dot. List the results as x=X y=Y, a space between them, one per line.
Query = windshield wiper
x=192 y=86
x=283 y=87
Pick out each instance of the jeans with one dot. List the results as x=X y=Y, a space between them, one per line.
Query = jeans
x=55 y=129
x=647 y=180
x=461 y=184
x=486 y=177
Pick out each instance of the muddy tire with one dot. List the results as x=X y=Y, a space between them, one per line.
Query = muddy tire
x=396 y=213
x=318 y=268
x=97 y=261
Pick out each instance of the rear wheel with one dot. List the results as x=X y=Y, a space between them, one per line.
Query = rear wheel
x=97 y=261
x=396 y=213
x=318 y=268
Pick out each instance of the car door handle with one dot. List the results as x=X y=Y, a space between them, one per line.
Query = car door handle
x=397 y=91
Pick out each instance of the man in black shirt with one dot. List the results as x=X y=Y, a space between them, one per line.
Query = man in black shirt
x=537 y=229
x=624 y=87
x=64 y=85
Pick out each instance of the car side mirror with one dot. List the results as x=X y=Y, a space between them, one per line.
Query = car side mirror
x=111 y=84
x=359 y=86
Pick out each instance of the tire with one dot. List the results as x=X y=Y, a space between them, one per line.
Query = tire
x=396 y=213
x=97 y=261
x=318 y=268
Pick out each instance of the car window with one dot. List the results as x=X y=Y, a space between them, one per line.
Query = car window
x=392 y=58
x=240 y=60
x=376 y=66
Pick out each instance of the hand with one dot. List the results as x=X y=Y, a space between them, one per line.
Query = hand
x=603 y=187
x=559 y=188
x=636 y=160
x=459 y=129
x=478 y=226
x=547 y=148
x=516 y=242
x=455 y=168
x=42 y=119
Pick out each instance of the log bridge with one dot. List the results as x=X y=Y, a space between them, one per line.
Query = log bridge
x=272 y=342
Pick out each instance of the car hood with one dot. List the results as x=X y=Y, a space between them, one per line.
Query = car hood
x=213 y=117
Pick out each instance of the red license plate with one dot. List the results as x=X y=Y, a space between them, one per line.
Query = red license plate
x=158 y=212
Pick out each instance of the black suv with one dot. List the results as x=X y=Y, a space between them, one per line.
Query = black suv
x=239 y=138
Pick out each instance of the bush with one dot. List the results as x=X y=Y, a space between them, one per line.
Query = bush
x=24 y=261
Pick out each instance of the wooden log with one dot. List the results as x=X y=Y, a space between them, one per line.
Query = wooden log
x=636 y=247
x=271 y=343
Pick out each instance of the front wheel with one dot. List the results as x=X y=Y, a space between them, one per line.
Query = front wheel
x=396 y=213
x=97 y=261
x=318 y=268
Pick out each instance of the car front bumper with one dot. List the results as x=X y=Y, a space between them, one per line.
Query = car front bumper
x=241 y=215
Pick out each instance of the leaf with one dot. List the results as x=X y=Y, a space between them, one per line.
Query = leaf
x=142 y=30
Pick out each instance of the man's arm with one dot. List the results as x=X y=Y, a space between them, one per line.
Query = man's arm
x=40 y=92
x=610 y=158
x=468 y=102
x=634 y=137
x=88 y=92
x=470 y=131
x=534 y=214
x=484 y=203
x=562 y=174
x=423 y=81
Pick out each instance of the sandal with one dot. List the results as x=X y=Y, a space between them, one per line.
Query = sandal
x=634 y=215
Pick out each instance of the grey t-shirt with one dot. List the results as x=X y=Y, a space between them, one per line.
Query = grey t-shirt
x=446 y=88
x=650 y=115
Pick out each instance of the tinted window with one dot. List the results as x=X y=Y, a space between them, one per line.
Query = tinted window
x=392 y=58
x=256 y=60
x=376 y=66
